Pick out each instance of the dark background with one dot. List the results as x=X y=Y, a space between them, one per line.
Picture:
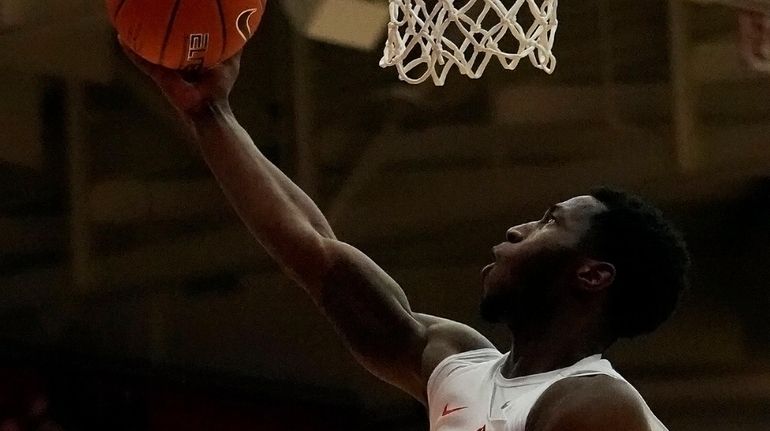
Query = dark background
x=132 y=298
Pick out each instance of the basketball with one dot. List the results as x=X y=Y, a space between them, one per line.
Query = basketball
x=185 y=34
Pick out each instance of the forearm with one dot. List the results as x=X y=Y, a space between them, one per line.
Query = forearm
x=368 y=308
x=278 y=213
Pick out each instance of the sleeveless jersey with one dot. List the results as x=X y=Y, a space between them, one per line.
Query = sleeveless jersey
x=467 y=392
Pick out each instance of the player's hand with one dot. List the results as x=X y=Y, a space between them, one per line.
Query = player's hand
x=191 y=94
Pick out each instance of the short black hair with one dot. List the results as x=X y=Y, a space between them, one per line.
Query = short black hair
x=650 y=258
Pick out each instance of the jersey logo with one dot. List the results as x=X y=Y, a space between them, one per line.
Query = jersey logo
x=448 y=411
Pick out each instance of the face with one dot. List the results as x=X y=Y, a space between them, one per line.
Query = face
x=537 y=262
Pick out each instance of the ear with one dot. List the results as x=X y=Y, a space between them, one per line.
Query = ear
x=595 y=276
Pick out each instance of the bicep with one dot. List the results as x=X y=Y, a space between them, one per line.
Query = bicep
x=371 y=313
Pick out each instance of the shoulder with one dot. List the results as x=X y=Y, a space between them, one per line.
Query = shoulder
x=445 y=338
x=450 y=333
x=595 y=403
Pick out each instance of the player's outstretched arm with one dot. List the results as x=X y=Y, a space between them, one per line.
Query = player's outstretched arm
x=367 y=307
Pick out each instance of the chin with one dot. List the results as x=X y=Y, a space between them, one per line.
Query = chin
x=495 y=308
x=487 y=314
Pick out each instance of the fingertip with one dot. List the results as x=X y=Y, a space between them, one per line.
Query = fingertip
x=126 y=49
x=231 y=63
x=123 y=44
x=135 y=58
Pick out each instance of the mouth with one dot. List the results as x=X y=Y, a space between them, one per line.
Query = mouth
x=485 y=271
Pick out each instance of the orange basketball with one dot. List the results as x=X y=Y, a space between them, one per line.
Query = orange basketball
x=185 y=34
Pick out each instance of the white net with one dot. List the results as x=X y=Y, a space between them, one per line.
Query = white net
x=425 y=42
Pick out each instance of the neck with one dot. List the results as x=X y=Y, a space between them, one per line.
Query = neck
x=545 y=346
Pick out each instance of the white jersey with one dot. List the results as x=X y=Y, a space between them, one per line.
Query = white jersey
x=467 y=392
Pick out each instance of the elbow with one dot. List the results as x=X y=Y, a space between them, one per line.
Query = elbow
x=323 y=229
x=309 y=261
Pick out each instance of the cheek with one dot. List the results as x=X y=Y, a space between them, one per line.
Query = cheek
x=503 y=276
x=534 y=261
x=520 y=254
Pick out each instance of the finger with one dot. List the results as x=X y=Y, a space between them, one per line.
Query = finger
x=143 y=65
x=161 y=75
x=224 y=72
x=230 y=68
x=171 y=82
x=235 y=59
x=152 y=70
x=233 y=64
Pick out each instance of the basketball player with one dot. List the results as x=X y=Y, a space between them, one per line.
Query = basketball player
x=595 y=268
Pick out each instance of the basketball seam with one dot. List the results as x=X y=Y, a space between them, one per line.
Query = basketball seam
x=224 y=29
x=117 y=11
x=169 y=28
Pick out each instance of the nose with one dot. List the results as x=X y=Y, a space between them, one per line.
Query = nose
x=514 y=235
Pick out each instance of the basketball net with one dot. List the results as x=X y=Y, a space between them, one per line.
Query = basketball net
x=427 y=42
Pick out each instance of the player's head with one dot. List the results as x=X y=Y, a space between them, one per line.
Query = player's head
x=609 y=250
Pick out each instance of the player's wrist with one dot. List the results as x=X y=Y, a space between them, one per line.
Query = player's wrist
x=210 y=117
x=210 y=112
